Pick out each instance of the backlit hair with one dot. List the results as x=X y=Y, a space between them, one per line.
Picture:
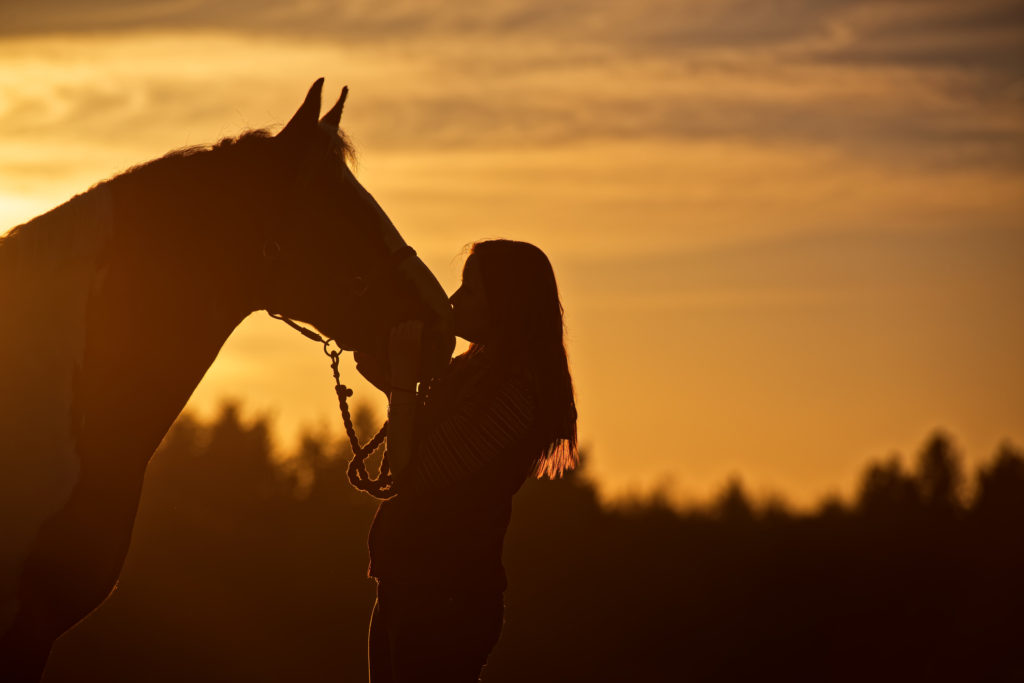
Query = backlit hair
x=527 y=331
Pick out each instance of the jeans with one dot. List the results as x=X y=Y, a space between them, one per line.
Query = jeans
x=422 y=634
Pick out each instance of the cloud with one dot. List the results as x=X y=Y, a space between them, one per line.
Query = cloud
x=912 y=83
x=673 y=25
x=984 y=37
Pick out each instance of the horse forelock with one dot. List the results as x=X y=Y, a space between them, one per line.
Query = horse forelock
x=340 y=146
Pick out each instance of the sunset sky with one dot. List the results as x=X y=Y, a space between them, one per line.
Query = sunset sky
x=789 y=235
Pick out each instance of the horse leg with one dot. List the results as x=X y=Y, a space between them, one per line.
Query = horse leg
x=73 y=567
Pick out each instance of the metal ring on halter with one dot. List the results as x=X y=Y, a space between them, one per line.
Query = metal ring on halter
x=327 y=348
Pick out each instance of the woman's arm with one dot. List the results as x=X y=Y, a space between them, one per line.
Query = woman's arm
x=404 y=354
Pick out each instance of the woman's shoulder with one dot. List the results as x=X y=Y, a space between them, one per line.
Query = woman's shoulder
x=508 y=381
x=478 y=374
x=461 y=370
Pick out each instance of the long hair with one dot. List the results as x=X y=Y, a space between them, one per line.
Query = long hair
x=527 y=331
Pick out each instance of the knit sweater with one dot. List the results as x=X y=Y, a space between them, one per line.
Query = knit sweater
x=474 y=447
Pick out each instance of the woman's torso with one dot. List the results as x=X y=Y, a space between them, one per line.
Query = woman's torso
x=447 y=523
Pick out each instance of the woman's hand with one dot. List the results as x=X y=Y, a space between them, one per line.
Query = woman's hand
x=404 y=354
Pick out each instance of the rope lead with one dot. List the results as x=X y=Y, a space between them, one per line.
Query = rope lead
x=381 y=487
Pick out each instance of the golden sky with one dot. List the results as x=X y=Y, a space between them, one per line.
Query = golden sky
x=789 y=236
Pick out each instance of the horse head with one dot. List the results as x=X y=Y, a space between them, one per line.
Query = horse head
x=333 y=258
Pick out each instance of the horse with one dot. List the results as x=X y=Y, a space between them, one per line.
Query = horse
x=116 y=303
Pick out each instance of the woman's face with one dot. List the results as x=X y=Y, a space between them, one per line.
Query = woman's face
x=469 y=304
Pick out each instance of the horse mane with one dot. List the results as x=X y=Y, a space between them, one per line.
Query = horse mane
x=234 y=153
x=335 y=143
x=48 y=236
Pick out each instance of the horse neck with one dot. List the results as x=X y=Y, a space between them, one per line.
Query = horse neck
x=171 y=292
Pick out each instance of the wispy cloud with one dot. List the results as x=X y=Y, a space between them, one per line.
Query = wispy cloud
x=911 y=82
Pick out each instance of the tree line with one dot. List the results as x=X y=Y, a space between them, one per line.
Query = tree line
x=248 y=567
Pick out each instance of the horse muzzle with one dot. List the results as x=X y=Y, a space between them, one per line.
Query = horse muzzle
x=438 y=335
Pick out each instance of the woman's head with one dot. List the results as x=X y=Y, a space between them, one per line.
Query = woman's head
x=470 y=314
x=508 y=304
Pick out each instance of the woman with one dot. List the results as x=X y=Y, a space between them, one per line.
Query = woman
x=502 y=410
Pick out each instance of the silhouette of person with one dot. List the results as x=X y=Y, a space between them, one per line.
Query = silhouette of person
x=503 y=410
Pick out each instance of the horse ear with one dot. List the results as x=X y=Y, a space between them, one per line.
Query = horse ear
x=305 y=117
x=333 y=117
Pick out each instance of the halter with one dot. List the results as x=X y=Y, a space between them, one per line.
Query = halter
x=383 y=485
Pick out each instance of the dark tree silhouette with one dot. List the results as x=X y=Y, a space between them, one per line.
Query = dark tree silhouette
x=940 y=476
x=248 y=566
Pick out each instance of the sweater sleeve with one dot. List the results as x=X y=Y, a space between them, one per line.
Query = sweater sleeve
x=473 y=436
